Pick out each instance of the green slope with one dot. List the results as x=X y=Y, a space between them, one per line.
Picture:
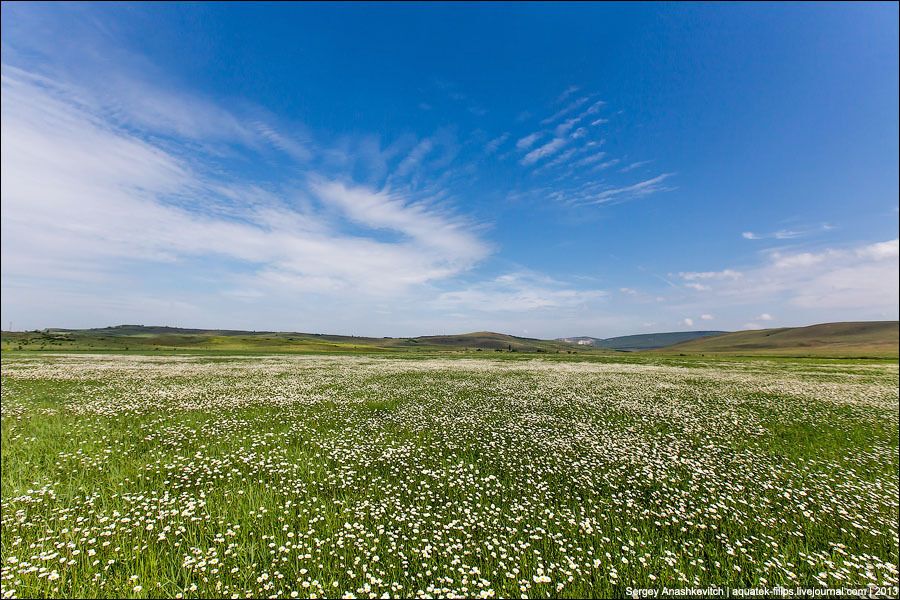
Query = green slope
x=850 y=339
x=643 y=341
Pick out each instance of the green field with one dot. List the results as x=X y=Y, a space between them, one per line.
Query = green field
x=372 y=476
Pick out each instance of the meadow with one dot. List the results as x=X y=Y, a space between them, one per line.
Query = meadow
x=436 y=476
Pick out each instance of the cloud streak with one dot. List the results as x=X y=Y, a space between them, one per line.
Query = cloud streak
x=787 y=234
x=543 y=151
x=84 y=198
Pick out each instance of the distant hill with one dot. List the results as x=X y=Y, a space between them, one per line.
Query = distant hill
x=152 y=338
x=643 y=341
x=871 y=338
x=852 y=339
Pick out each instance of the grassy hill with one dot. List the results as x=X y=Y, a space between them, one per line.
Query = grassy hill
x=860 y=339
x=139 y=338
x=851 y=339
x=642 y=341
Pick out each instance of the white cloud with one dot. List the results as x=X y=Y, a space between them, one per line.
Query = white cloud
x=596 y=192
x=94 y=209
x=634 y=165
x=563 y=128
x=642 y=188
x=881 y=251
x=564 y=111
x=528 y=141
x=571 y=144
x=593 y=108
x=86 y=199
x=688 y=322
x=697 y=286
x=764 y=317
x=605 y=165
x=414 y=158
x=787 y=234
x=801 y=260
x=122 y=99
x=288 y=145
x=567 y=92
x=589 y=160
x=562 y=158
x=495 y=143
x=865 y=286
x=518 y=292
x=707 y=317
x=849 y=283
x=706 y=275
x=543 y=151
x=423 y=224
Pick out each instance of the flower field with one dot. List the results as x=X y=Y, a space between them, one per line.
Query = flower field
x=370 y=477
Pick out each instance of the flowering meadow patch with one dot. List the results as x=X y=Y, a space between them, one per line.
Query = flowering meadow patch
x=370 y=477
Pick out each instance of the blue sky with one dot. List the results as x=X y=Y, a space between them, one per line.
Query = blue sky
x=542 y=170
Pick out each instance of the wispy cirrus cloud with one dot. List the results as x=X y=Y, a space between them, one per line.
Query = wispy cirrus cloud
x=590 y=160
x=570 y=154
x=563 y=128
x=596 y=193
x=87 y=198
x=126 y=185
x=567 y=93
x=608 y=164
x=592 y=109
x=562 y=158
x=566 y=110
x=787 y=234
x=707 y=275
x=528 y=141
x=543 y=151
x=493 y=145
x=634 y=165
x=414 y=158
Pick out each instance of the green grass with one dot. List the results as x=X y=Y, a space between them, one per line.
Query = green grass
x=440 y=474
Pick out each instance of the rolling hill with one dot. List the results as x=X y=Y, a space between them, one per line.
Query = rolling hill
x=856 y=339
x=850 y=339
x=643 y=341
x=153 y=338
